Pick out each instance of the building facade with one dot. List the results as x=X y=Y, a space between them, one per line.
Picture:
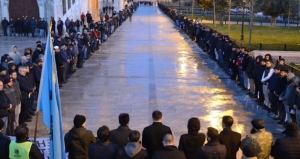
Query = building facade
x=56 y=8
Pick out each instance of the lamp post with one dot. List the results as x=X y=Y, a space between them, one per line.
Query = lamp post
x=214 y=5
x=243 y=7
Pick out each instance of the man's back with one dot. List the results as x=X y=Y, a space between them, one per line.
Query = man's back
x=168 y=152
x=232 y=141
x=77 y=142
x=262 y=141
x=287 y=147
x=153 y=136
x=119 y=136
x=106 y=150
x=212 y=150
x=4 y=146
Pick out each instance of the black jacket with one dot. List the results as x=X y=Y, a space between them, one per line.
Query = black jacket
x=232 y=142
x=287 y=147
x=153 y=136
x=132 y=150
x=281 y=85
x=191 y=143
x=119 y=136
x=106 y=150
x=25 y=86
x=212 y=150
x=77 y=142
x=168 y=152
x=4 y=146
x=4 y=104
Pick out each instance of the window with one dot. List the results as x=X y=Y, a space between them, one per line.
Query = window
x=64 y=6
x=69 y=4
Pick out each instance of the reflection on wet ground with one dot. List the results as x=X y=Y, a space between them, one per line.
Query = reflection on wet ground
x=149 y=64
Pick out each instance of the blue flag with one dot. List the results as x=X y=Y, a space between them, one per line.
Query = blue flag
x=49 y=103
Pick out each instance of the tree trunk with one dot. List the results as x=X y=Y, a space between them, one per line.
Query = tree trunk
x=273 y=21
x=289 y=16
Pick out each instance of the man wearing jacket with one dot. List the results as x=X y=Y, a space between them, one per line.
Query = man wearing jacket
x=103 y=148
x=32 y=25
x=66 y=61
x=18 y=94
x=22 y=148
x=27 y=90
x=278 y=90
x=169 y=150
x=287 y=147
x=4 y=142
x=133 y=149
x=10 y=94
x=153 y=134
x=4 y=24
x=5 y=106
x=213 y=149
x=260 y=139
x=78 y=139
x=265 y=77
x=119 y=136
x=273 y=81
x=229 y=138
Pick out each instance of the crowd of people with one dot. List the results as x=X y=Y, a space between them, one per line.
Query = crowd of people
x=157 y=141
x=20 y=74
x=265 y=79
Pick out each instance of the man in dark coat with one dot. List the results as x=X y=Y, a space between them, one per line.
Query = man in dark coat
x=39 y=50
x=60 y=25
x=4 y=24
x=153 y=134
x=9 y=91
x=229 y=138
x=4 y=143
x=119 y=136
x=32 y=25
x=213 y=149
x=169 y=150
x=278 y=90
x=25 y=26
x=59 y=65
x=133 y=149
x=287 y=147
x=26 y=88
x=191 y=143
x=5 y=106
x=78 y=139
x=103 y=148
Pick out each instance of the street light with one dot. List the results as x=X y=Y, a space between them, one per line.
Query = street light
x=242 y=34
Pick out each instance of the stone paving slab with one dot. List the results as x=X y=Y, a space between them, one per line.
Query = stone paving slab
x=149 y=64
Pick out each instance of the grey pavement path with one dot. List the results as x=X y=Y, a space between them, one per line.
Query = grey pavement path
x=149 y=64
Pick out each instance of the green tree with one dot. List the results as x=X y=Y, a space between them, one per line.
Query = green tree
x=272 y=8
x=206 y=4
x=290 y=9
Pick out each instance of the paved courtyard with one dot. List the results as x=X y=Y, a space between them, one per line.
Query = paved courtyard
x=149 y=64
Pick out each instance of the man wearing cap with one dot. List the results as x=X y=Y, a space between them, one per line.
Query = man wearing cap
x=9 y=91
x=260 y=139
x=37 y=72
x=78 y=139
x=15 y=54
x=4 y=143
x=287 y=147
x=5 y=106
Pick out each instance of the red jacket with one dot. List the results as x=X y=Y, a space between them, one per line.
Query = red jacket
x=82 y=16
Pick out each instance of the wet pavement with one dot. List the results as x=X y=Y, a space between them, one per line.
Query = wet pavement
x=149 y=64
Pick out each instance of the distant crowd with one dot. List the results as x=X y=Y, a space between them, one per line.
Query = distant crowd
x=266 y=79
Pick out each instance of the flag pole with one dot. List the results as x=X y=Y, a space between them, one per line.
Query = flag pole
x=37 y=113
x=36 y=122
